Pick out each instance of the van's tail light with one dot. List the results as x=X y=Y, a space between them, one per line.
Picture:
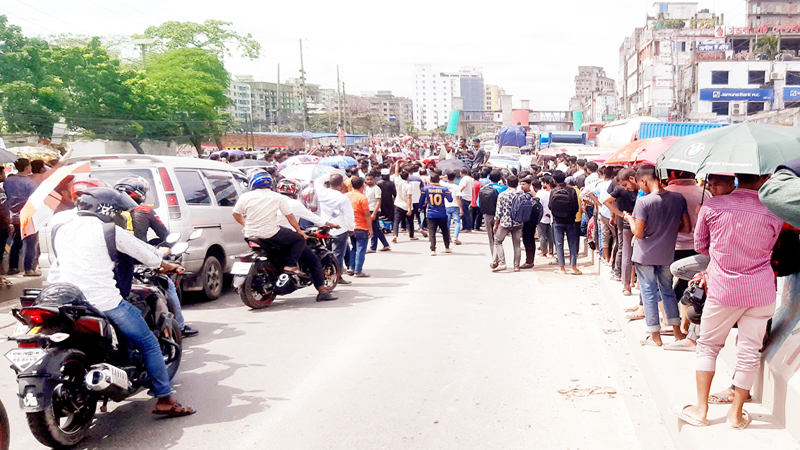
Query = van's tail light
x=38 y=317
x=172 y=198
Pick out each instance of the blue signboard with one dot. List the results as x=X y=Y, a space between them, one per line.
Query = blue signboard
x=791 y=93
x=716 y=47
x=737 y=95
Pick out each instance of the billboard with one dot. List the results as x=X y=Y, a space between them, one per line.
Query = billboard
x=737 y=95
x=715 y=47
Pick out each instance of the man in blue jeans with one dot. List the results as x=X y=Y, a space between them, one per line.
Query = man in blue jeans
x=656 y=220
x=84 y=261
x=335 y=208
x=564 y=207
x=363 y=227
x=453 y=207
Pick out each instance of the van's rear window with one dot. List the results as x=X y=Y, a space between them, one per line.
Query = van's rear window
x=111 y=176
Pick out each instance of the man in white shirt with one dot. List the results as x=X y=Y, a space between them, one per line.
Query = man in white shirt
x=465 y=190
x=403 y=205
x=335 y=208
x=84 y=261
x=545 y=227
x=257 y=210
x=373 y=193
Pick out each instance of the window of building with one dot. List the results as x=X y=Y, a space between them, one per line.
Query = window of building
x=792 y=78
x=680 y=46
x=754 y=107
x=719 y=77
x=756 y=77
x=720 y=108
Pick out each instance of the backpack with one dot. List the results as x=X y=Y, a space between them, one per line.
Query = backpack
x=521 y=208
x=487 y=199
x=785 y=260
x=562 y=205
x=537 y=211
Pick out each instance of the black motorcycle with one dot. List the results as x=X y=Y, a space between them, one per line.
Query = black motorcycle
x=70 y=356
x=258 y=276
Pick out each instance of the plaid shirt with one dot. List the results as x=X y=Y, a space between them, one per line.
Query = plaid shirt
x=466 y=158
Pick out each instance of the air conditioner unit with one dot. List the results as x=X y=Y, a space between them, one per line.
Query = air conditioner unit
x=775 y=76
x=737 y=108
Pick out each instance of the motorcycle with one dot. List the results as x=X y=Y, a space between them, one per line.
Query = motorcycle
x=70 y=356
x=258 y=280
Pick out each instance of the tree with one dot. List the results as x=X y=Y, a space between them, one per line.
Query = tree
x=323 y=123
x=368 y=123
x=767 y=45
x=210 y=35
x=192 y=83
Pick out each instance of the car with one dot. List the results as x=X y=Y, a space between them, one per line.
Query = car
x=193 y=197
x=504 y=162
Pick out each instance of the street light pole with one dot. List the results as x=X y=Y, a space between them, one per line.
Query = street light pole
x=143 y=43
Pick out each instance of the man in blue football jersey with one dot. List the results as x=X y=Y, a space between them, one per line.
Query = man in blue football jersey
x=433 y=198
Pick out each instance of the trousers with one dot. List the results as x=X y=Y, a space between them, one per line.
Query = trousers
x=516 y=235
x=529 y=241
x=440 y=223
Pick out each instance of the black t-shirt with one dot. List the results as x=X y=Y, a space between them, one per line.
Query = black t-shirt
x=388 y=193
x=626 y=199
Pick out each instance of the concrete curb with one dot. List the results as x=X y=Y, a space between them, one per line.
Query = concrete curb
x=671 y=378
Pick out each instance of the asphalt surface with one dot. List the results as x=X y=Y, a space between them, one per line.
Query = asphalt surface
x=428 y=353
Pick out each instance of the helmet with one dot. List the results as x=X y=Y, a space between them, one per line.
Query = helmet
x=260 y=180
x=136 y=187
x=58 y=294
x=288 y=187
x=104 y=203
x=81 y=185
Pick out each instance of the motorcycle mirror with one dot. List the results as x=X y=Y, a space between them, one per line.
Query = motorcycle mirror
x=172 y=238
x=179 y=248
x=196 y=234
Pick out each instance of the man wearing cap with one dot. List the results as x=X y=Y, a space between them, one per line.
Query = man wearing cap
x=480 y=155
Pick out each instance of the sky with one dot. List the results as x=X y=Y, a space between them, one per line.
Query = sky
x=530 y=49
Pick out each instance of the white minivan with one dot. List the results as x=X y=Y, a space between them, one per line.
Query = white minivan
x=188 y=194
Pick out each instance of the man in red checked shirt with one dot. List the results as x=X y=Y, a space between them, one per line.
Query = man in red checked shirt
x=738 y=233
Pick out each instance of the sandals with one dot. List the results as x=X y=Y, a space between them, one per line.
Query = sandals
x=632 y=308
x=678 y=412
x=649 y=342
x=723 y=399
x=634 y=316
x=560 y=271
x=626 y=292
x=747 y=419
x=293 y=270
x=177 y=410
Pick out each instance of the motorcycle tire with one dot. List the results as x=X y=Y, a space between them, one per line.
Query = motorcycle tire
x=47 y=425
x=330 y=271
x=173 y=333
x=253 y=295
x=5 y=431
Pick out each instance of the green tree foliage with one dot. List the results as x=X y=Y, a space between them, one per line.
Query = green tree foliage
x=767 y=45
x=192 y=83
x=323 y=123
x=210 y=35
x=369 y=123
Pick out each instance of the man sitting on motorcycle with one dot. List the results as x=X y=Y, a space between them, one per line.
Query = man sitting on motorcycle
x=84 y=261
x=257 y=211
x=143 y=218
x=308 y=258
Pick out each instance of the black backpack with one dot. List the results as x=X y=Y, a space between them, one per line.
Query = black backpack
x=562 y=204
x=537 y=212
x=487 y=199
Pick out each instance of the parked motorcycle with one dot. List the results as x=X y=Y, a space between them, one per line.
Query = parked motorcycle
x=70 y=357
x=258 y=276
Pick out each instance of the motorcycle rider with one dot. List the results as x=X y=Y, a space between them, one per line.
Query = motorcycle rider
x=307 y=258
x=143 y=218
x=83 y=260
x=257 y=211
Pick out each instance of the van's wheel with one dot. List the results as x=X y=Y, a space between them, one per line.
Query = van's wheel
x=212 y=278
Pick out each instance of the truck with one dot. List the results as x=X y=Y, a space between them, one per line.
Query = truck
x=664 y=129
x=553 y=138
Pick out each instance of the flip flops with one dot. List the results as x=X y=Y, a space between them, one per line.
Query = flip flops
x=177 y=410
x=634 y=316
x=722 y=399
x=678 y=346
x=676 y=411
x=649 y=342
x=747 y=419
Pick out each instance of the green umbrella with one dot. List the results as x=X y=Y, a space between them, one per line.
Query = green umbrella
x=750 y=148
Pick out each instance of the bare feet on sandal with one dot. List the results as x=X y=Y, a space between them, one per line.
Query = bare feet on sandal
x=168 y=406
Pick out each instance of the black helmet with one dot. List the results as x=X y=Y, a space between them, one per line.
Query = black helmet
x=104 y=203
x=58 y=294
x=135 y=187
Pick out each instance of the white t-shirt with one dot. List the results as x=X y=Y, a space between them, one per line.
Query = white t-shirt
x=544 y=196
x=373 y=194
x=466 y=184
x=260 y=210
x=403 y=192
x=454 y=192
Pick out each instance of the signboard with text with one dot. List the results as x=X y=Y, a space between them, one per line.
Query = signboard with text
x=764 y=29
x=715 y=47
x=737 y=95
x=791 y=93
x=687 y=32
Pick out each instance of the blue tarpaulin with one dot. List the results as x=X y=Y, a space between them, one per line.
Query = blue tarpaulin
x=511 y=136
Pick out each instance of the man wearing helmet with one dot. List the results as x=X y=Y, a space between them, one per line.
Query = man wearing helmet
x=83 y=259
x=257 y=211
x=143 y=218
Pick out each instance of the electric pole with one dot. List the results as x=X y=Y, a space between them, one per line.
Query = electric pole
x=339 y=97
x=303 y=88
x=278 y=101
x=344 y=93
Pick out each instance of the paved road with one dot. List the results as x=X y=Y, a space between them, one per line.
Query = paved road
x=428 y=353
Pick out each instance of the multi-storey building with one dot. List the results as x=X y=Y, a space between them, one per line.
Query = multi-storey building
x=493 y=93
x=434 y=91
x=772 y=12
x=261 y=103
x=394 y=110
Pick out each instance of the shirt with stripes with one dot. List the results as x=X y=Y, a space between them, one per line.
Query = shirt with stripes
x=738 y=233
